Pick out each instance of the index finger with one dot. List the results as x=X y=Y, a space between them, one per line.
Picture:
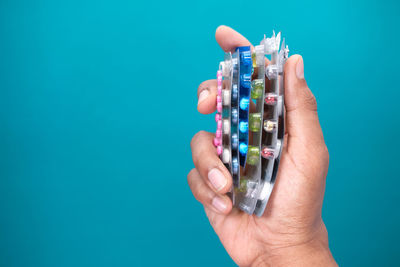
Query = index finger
x=228 y=39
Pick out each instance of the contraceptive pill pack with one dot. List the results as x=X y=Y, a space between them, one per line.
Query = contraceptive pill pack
x=250 y=120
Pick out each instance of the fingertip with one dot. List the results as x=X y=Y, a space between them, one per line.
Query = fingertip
x=208 y=104
x=220 y=29
x=207 y=97
x=300 y=68
x=228 y=39
x=220 y=179
x=301 y=106
x=222 y=204
x=291 y=63
x=228 y=184
x=219 y=32
x=222 y=37
x=294 y=67
x=294 y=75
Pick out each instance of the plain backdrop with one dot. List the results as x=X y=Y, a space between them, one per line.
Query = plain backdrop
x=98 y=106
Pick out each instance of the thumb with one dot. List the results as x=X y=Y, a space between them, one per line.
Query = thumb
x=301 y=107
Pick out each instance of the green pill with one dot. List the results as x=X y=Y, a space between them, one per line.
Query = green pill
x=254 y=59
x=257 y=88
x=243 y=185
x=253 y=155
x=254 y=122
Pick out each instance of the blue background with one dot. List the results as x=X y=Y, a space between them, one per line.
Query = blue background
x=98 y=106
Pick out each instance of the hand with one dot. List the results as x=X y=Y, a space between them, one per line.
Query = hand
x=291 y=231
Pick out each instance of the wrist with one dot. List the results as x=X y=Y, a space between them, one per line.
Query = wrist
x=305 y=255
x=315 y=252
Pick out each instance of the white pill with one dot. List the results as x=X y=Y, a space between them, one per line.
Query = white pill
x=226 y=97
x=227 y=127
x=226 y=156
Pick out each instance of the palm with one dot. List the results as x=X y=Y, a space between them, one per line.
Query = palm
x=286 y=210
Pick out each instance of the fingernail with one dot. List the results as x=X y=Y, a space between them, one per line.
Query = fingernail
x=203 y=95
x=217 y=179
x=219 y=204
x=300 y=68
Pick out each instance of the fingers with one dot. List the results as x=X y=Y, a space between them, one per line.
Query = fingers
x=208 y=164
x=207 y=95
x=202 y=192
x=300 y=103
x=228 y=39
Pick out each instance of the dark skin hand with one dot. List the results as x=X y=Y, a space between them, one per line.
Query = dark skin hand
x=291 y=232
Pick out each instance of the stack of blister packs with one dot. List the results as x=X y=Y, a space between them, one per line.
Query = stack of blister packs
x=250 y=120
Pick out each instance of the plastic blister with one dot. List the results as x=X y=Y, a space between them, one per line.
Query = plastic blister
x=250 y=120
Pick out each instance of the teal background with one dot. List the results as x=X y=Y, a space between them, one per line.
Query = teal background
x=98 y=106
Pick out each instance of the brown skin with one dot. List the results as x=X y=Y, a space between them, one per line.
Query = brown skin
x=291 y=231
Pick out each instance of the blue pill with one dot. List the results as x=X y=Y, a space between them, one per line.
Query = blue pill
x=235 y=166
x=235 y=141
x=243 y=148
x=234 y=116
x=234 y=92
x=243 y=126
x=244 y=103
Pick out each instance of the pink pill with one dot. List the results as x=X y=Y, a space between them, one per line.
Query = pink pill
x=217 y=141
x=219 y=150
x=219 y=124
x=219 y=99
x=267 y=153
x=219 y=107
x=217 y=117
x=218 y=134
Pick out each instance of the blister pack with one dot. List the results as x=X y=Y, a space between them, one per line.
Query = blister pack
x=250 y=120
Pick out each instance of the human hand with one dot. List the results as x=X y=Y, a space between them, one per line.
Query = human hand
x=291 y=231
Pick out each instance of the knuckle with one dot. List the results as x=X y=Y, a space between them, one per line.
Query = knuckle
x=309 y=99
x=325 y=154
x=197 y=191
x=190 y=176
x=201 y=192
x=194 y=184
x=202 y=86
x=322 y=155
x=195 y=139
x=203 y=154
x=201 y=161
x=202 y=134
x=199 y=136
